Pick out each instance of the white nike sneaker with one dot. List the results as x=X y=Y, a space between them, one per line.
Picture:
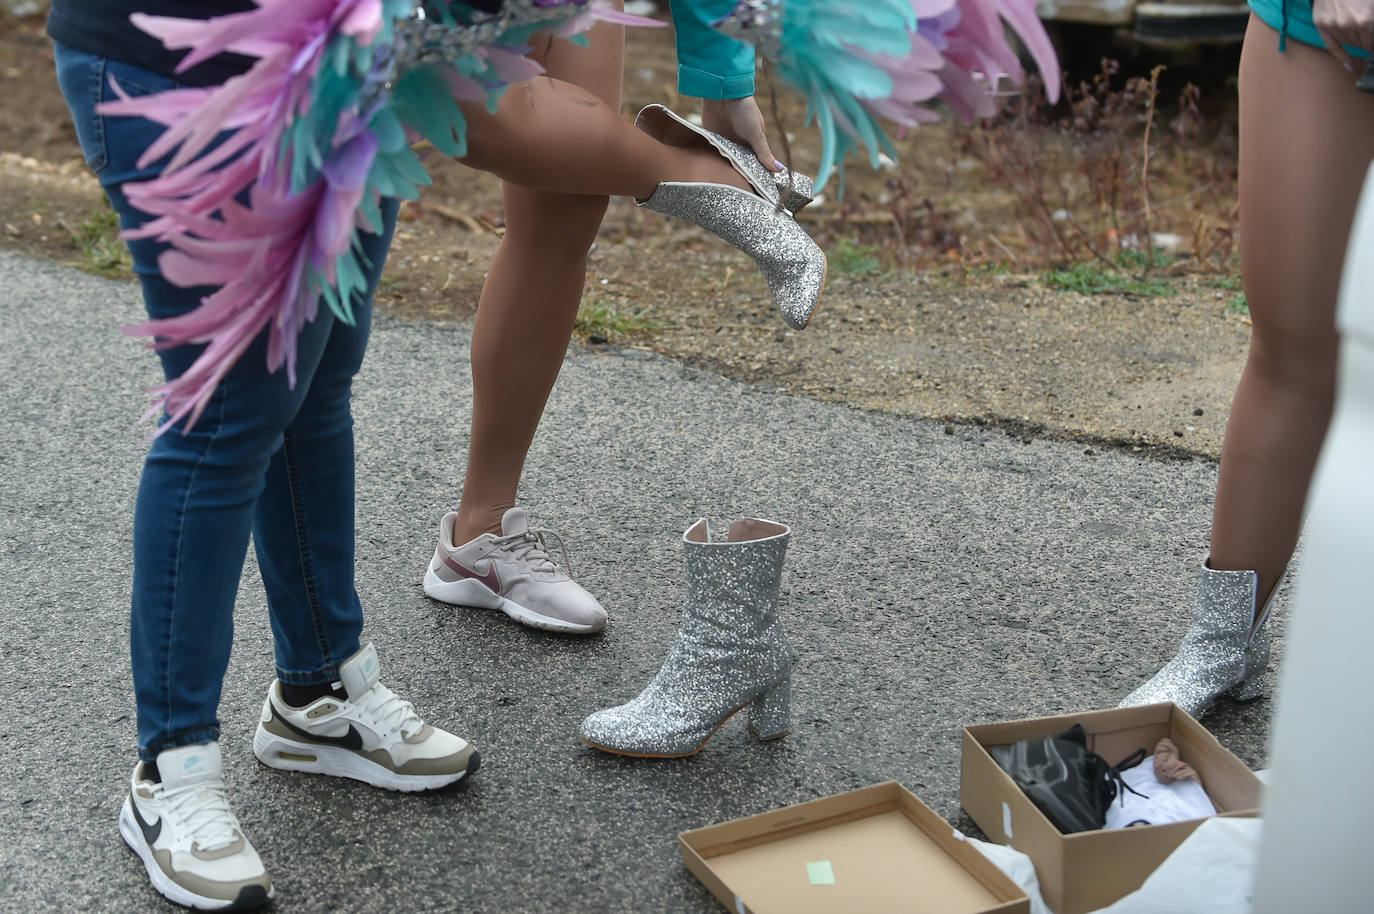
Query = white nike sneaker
x=189 y=840
x=513 y=573
x=367 y=733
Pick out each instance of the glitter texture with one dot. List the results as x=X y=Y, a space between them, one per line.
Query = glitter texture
x=791 y=263
x=1223 y=652
x=789 y=189
x=757 y=22
x=731 y=651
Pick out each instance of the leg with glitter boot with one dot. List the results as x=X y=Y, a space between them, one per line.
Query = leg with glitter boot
x=1224 y=652
x=731 y=651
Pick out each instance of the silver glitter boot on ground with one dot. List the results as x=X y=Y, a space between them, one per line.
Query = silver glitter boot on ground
x=731 y=651
x=761 y=224
x=1224 y=652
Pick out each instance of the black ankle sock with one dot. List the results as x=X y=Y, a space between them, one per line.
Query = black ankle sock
x=150 y=772
x=298 y=696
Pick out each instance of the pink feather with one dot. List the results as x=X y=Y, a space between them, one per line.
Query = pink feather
x=269 y=257
x=978 y=43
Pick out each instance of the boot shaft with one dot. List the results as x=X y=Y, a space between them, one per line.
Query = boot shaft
x=733 y=585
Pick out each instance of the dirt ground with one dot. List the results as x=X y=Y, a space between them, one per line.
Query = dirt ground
x=936 y=324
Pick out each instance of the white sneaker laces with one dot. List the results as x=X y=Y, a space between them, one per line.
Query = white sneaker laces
x=205 y=810
x=390 y=710
x=532 y=547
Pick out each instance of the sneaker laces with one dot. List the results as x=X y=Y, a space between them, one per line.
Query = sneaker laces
x=205 y=810
x=1118 y=783
x=390 y=710
x=532 y=547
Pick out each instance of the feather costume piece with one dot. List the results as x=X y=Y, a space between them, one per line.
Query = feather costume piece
x=858 y=62
x=270 y=177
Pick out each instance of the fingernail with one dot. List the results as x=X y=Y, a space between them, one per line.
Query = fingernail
x=778 y=166
x=1348 y=66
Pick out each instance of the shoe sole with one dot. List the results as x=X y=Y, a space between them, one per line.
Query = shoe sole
x=169 y=889
x=312 y=758
x=476 y=595
x=757 y=735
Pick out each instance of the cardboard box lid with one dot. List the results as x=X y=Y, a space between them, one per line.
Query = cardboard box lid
x=879 y=849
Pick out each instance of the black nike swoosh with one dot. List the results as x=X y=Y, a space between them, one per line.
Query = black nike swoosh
x=351 y=740
x=150 y=832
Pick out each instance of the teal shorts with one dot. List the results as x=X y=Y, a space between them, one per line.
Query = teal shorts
x=1293 y=19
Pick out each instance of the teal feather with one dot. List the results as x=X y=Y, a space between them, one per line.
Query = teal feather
x=371 y=208
x=391 y=135
x=409 y=168
x=818 y=42
x=423 y=100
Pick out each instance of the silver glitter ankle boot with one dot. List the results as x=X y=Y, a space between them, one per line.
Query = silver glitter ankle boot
x=731 y=651
x=760 y=224
x=789 y=189
x=1224 y=652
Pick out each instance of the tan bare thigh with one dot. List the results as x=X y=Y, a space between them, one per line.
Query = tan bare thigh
x=1306 y=141
x=597 y=68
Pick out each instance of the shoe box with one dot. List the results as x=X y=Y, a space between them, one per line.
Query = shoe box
x=878 y=850
x=1089 y=870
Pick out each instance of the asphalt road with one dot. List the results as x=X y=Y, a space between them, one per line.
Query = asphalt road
x=933 y=580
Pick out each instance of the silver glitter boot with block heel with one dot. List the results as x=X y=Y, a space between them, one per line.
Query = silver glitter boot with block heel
x=760 y=223
x=731 y=652
x=1224 y=652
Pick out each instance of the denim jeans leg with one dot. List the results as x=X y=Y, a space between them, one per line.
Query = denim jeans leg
x=199 y=489
x=304 y=528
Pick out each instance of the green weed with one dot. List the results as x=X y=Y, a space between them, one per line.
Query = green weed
x=850 y=257
x=1094 y=279
x=610 y=324
x=97 y=239
x=1229 y=283
x=1144 y=260
x=993 y=268
x=1237 y=304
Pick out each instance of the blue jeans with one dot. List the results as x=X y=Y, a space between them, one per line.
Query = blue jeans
x=264 y=458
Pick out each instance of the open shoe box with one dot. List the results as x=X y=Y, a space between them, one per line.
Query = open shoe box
x=878 y=850
x=1086 y=871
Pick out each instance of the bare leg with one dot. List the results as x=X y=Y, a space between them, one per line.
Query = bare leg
x=1306 y=139
x=553 y=136
x=529 y=303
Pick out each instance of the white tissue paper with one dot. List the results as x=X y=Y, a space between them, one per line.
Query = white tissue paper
x=1212 y=872
x=1017 y=866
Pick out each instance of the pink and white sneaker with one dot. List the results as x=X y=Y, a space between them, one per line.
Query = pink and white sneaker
x=513 y=573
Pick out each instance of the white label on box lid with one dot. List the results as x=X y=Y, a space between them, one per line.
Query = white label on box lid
x=1006 y=820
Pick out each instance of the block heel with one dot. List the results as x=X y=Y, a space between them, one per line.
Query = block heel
x=770 y=716
x=1252 y=686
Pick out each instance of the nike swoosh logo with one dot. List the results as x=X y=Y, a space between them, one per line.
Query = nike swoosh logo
x=351 y=740
x=150 y=832
x=491 y=580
